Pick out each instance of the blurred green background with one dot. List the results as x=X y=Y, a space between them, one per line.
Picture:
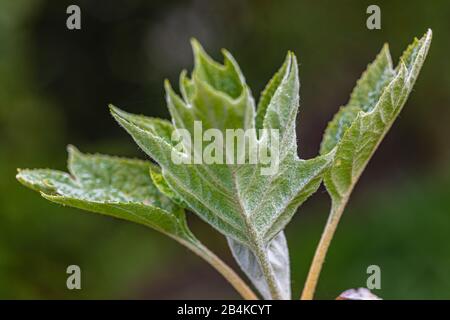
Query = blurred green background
x=55 y=85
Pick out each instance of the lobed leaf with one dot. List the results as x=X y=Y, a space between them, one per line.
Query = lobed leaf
x=113 y=186
x=122 y=188
x=377 y=100
x=248 y=208
x=357 y=130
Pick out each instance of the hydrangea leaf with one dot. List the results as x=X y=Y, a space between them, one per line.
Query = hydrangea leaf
x=277 y=250
x=122 y=188
x=357 y=130
x=363 y=98
x=113 y=186
x=375 y=103
x=246 y=206
x=278 y=257
x=268 y=93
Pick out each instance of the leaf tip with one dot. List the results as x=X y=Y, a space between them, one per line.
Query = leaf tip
x=113 y=109
x=120 y=116
x=198 y=51
x=385 y=50
x=117 y=113
x=167 y=87
x=19 y=174
x=227 y=54
x=426 y=39
x=71 y=149
x=294 y=59
x=291 y=67
x=183 y=77
x=286 y=67
x=194 y=43
x=170 y=94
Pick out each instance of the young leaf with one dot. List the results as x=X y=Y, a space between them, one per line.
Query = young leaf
x=113 y=186
x=249 y=208
x=358 y=128
x=278 y=257
x=277 y=250
x=121 y=188
x=278 y=253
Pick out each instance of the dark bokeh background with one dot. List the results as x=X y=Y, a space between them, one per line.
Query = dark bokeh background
x=55 y=85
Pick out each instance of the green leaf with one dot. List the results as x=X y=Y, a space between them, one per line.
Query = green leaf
x=357 y=130
x=236 y=199
x=113 y=186
x=268 y=93
x=122 y=188
x=363 y=98
x=377 y=100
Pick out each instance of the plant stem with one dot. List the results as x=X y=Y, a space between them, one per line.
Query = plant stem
x=260 y=252
x=268 y=272
x=337 y=208
x=229 y=274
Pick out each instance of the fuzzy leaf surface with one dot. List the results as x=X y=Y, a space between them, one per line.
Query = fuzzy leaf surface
x=118 y=187
x=236 y=199
x=359 y=127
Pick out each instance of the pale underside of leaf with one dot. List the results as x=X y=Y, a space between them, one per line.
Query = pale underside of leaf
x=278 y=257
x=358 y=294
